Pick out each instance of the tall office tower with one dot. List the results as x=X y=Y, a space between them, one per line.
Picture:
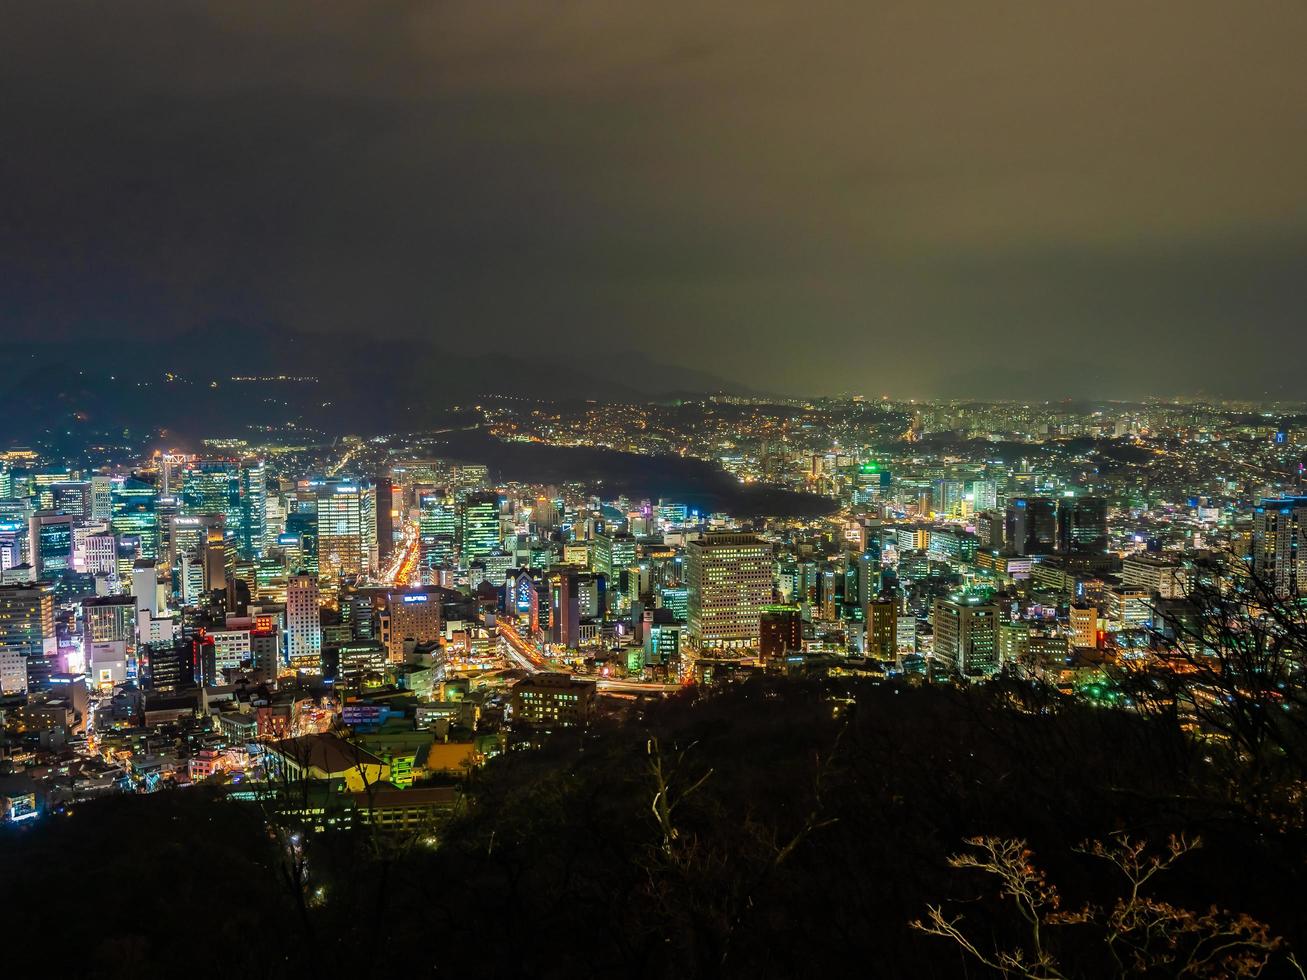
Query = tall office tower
x=591 y=594
x=948 y=495
x=303 y=623
x=471 y=476
x=213 y=559
x=990 y=530
x=302 y=526
x=347 y=527
x=274 y=520
x=882 y=622
x=564 y=607
x=6 y=482
x=167 y=666
x=43 y=486
x=14 y=537
x=676 y=599
x=1013 y=642
x=984 y=494
x=830 y=594
x=153 y=624
x=213 y=486
x=480 y=527
x=108 y=638
x=546 y=513
x=385 y=516
x=613 y=555
x=27 y=628
x=729 y=577
x=171 y=467
x=265 y=652
x=412 y=615
x=780 y=632
x=253 y=532
x=50 y=543
x=1279 y=557
x=71 y=497
x=95 y=549
x=135 y=516
x=437 y=532
x=187 y=533
x=1082 y=526
x=1083 y=620
x=868 y=567
x=359 y=610
x=966 y=636
x=101 y=498
x=1031 y=526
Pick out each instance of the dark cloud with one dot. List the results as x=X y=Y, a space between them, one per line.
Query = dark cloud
x=903 y=197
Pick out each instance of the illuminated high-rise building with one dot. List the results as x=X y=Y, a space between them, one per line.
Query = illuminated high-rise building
x=413 y=614
x=109 y=638
x=437 y=532
x=947 y=496
x=984 y=494
x=252 y=540
x=42 y=486
x=966 y=636
x=613 y=553
x=613 y=556
x=51 y=543
x=14 y=541
x=187 y=533
x=300 y=541
x=27 y=628
x=780 y=632
x=101 y=497
x=135 y=516
x=882 y=625
x=346 y=527
x=729 y=578
x=480 y=536
x=564 y=606
x=71 y=497
x=1083 y=620
x=95 y=549
x=303 y=623
x=1279 y=555
x=213 y=486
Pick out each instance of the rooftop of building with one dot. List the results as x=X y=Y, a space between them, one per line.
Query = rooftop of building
x=327 y=753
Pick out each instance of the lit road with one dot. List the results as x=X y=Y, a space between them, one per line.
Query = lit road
x=522 y=651
x=405 y=561
x=605 y=686
x=528 y=656
x=343 y=462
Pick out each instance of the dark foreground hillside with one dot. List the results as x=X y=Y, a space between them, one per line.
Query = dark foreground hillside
x=795 y=831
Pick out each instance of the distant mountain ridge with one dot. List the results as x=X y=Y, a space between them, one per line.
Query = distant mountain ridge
x=364 y=384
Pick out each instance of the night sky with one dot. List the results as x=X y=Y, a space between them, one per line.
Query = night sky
x=912 y=198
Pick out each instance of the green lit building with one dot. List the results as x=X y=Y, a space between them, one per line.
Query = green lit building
x=480 y=536
x=134 y=515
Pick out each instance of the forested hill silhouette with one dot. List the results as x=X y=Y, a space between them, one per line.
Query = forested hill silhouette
x=800 y=841
x=697 y=483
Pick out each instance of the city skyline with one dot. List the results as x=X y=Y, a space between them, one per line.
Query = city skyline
x=568 y=488
x=881 y=198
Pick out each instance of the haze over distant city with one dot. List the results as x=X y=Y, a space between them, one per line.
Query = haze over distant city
x=916 y=199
